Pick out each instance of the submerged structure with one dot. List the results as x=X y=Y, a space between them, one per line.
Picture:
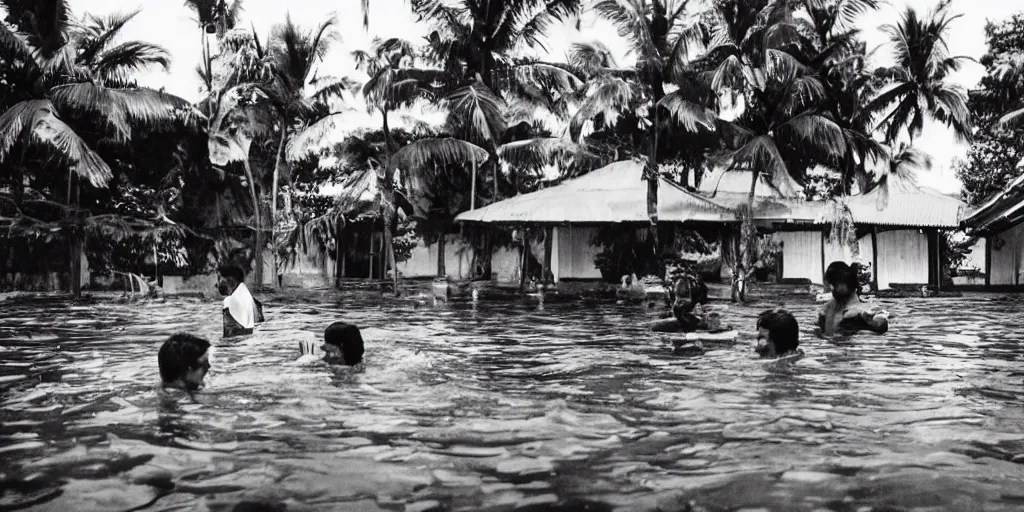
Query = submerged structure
x=898 y=234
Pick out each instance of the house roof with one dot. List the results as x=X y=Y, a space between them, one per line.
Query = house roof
x=908 y=205
x=614 y=193
x=617 y=193
x=1001 y=212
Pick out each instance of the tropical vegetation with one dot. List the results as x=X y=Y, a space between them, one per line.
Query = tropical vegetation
x=784 y=89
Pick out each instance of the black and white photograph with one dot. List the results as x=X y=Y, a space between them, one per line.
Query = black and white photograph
x=511 y=255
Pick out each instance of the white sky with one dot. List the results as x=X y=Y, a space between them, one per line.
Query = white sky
x=170 y=24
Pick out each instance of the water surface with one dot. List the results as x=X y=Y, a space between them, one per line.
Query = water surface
x=509 y=406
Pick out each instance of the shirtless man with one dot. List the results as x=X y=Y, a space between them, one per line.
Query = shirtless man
x=241 y=311
x=845 y=311
x=687 y=291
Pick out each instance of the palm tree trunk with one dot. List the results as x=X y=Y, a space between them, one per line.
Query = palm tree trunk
x=273 y=207
x=441 y=271
x=391 y=212
x=744 y=257
x=257 y=217
x=77 y=245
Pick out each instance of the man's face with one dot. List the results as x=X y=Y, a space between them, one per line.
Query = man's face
x=226 y=285
x=194 y=377
x=332 y=353
x=765 y=346
x=841 y=291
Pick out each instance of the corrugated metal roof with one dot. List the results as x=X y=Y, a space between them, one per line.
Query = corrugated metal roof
x=614 y=193
x=907 y=206
x=617 y=193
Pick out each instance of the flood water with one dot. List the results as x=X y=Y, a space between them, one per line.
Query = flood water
x=509 y=406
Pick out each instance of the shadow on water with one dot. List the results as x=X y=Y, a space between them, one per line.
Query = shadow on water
x=508 y=406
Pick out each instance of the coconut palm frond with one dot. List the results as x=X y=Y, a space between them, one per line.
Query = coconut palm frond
x=120 y=62
x=312 y=137
x=690 y=115
x=481 y=109
x=818 y=130
x=590 y=58
x=538 y=153
x=425 y=154
x=121 y=109
x=36 y=121
x=607 y=97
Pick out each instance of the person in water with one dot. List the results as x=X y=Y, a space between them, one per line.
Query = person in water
x=183 y=361
x=845 y=311
x=343 y=344
x=778 y=334
x=241 y=311
x=686 y=292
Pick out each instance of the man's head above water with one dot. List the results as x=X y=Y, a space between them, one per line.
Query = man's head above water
x=842 y=278
x=343 y=344
x=777 y=333
x=184 y=360
x=231 y=275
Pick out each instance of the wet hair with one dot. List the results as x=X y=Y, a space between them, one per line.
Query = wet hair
x=348 y=339
x=839 y=272
x=231 y=270
x=179 y=355
x=782 y=328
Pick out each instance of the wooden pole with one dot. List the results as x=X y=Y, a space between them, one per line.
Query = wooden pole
x=822 y=235
x=523 y=267
x=938 y=261
x=874 y=257
x=988 y=261
x=549 y=233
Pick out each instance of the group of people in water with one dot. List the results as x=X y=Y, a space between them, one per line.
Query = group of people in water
x=183 y=359
x=778 y=333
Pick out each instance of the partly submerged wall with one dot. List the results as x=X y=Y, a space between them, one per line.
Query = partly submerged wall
x=902 y=255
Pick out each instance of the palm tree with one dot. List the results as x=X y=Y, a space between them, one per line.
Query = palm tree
x=918 y=82
x=664 y=36
x=484 y=87
x=298 y=119
x=752 y=61
x=66 y=74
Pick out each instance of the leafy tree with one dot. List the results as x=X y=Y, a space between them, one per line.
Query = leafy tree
x=918 y=83
x=998 y=147
x=72 y=98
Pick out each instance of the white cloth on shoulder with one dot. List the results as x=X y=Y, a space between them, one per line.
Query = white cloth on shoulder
x=242 y=307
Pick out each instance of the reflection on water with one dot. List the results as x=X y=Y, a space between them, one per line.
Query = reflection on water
x=507 y=406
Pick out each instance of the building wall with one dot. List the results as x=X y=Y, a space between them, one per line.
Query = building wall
x=801 y=255
x=902 y=257
x=505 y=262
x=1006 y=260
x=572 y=253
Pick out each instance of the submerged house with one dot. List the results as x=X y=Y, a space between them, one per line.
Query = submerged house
x=573 y=210
x=898 y=237
x=1000 y=223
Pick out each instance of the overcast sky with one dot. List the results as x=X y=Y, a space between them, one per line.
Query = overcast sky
x=170 y=24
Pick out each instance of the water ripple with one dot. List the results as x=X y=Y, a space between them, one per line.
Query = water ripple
x=507 y=405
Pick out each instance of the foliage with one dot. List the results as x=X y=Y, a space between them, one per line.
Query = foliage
x=998 y=148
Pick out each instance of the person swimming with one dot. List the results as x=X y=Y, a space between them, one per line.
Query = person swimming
x=183 y=361
x=687 y=291
x=778 y=334
x=343 y=344
x=845 y=311
x=241 y=311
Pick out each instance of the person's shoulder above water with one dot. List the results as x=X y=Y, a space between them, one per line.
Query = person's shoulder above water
x=846 y=311
x=343 y=345
x=183 y=361
x=241 y=311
